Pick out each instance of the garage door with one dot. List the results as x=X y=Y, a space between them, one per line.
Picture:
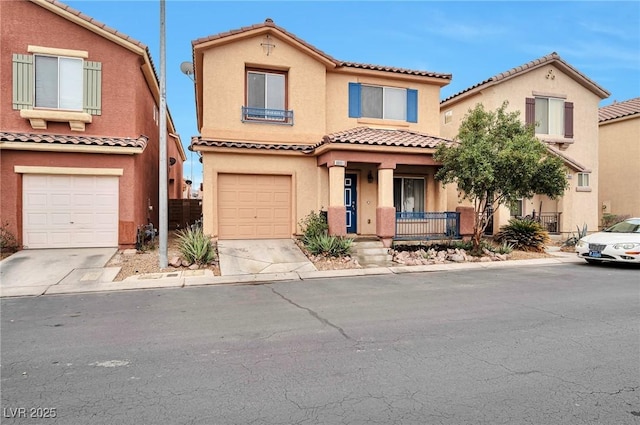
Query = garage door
x=69 y=211
x=254 y=206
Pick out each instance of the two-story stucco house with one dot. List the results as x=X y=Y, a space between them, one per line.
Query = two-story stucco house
x=79 y=135
x=286 y=129
x=563 y=104
x=619 y=158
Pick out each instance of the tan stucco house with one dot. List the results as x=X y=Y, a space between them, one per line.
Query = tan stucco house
x=619 y=158
x=563 y=104
x=286 y=129
x=79 y=135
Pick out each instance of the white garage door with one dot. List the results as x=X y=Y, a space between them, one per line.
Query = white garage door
x=62 y=211
x=252 y=206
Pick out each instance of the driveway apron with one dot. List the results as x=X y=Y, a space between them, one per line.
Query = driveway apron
x=41 y=268
x=241 y=257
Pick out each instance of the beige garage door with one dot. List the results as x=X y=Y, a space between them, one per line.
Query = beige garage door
x=69 y=211
x=252 y=206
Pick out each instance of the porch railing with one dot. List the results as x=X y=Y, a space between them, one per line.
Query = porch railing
x=550 y=221
x=427 y=225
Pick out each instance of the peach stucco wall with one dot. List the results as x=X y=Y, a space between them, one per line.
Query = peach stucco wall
x=619 y=161
x=224 y=92
x=318 y=95
x=127 y=110
x=577 y=208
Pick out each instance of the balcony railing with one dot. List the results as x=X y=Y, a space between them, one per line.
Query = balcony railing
x=271 y=116
x=427 y=225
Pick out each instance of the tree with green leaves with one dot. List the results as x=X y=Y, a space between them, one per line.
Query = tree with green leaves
x=495 y=161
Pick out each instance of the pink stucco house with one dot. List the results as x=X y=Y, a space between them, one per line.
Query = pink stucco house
x=286 y=129
x=79 y=136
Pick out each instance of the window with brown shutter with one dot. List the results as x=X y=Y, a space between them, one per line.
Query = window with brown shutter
x=568 y=120
x=530 y=111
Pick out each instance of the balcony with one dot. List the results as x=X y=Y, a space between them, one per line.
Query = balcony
x=270 y=116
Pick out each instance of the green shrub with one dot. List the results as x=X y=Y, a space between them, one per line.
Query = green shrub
x=8 y=241
x=505 y=248
x=195 y=246
x=609 y=219
x=317 y=240
x=573 y=239
x=313 y=225
x=324 y=244
x=523 y=234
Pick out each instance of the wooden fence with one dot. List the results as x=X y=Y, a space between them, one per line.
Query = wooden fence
x=183 y=212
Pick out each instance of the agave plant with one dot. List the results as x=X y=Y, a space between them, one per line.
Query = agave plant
x=195 y=246
x=523 y=234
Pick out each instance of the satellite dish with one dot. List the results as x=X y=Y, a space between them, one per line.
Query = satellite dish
x=186 y=68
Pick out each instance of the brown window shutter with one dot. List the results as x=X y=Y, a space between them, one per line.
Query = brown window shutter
x=568 y=120
x=530 y=111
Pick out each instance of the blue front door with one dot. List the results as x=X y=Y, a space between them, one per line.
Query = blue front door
x=350 y=201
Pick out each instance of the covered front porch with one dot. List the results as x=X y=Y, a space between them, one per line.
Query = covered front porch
x=387 y=187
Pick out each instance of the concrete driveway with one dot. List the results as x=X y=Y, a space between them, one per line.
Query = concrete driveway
x=32 y=271
x=241 y=257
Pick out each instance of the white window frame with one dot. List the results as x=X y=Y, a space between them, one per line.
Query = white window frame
x=78 y=86
x=282 y=75
x=448 y=116
x=582 y=179
x=387 y=114
x=554 y=118
x=416 y=208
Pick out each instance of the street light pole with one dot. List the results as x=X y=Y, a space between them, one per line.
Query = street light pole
x=163 y=226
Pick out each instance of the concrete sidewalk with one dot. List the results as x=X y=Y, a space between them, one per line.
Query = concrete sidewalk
x=182 y=279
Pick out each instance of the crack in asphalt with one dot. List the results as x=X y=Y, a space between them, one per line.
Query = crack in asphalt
x=313 y=314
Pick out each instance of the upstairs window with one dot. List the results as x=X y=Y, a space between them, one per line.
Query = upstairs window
x=583 y=179
x=59 y=83
x=551 y=116
x=384 y=102
x=267 y=97
x=379 y=102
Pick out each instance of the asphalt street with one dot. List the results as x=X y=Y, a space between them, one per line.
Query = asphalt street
x=558 y=344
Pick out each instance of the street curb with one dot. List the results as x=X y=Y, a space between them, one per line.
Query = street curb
x=181 y=279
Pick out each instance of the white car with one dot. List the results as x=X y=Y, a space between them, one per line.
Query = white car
x=620 y=243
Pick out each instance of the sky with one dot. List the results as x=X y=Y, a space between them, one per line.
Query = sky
x=471 y=40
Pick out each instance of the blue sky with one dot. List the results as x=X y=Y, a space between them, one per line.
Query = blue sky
x=470 y=40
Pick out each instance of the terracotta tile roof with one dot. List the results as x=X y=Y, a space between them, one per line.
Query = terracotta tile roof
x=268 y=23
x=619 y=110
x=59 y=139
x=394 y=69
x=550 y=58
x=200 y=141
x=568 y=160
x=384 y=137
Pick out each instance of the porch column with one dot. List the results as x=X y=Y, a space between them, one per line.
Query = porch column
x=385 y=212
x=337 y=212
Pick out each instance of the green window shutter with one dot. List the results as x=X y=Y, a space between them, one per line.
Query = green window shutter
x=93 y=87
x=22 y=81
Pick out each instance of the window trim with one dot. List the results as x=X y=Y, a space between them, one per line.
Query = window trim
x=287 y=114
x=34 y=76
x=424 y=188
x=384 y=90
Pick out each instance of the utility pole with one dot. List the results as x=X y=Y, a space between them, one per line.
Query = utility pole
x=163 y=226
